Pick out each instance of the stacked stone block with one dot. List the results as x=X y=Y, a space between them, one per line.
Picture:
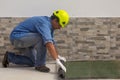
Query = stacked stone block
x=83 y=38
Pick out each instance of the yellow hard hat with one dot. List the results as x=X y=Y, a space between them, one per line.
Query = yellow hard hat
x=63 y=17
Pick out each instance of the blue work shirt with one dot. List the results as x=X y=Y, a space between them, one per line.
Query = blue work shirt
x=37 y=24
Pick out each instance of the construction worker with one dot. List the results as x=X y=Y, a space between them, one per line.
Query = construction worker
x=35 y=34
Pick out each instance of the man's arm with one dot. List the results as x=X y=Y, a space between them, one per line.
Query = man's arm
x=51 y=48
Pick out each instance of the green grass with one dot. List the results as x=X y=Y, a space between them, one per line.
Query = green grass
x=93 y=69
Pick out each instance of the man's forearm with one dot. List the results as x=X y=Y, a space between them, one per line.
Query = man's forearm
x=54 y=54
x=52 y=50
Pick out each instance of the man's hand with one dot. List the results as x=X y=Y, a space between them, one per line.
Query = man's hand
x=62 y=58
x=60 y=64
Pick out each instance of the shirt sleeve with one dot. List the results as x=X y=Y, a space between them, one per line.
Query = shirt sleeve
x=45 y=32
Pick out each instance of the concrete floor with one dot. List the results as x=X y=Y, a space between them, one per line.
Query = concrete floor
x=26 y=73
x=14 y=72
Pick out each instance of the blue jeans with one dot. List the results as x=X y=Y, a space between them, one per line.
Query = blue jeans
x=34 y=50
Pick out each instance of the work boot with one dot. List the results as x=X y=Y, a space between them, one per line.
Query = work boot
x=42 y=69
x=5 y=61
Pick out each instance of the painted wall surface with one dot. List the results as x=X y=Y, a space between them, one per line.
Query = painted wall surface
x=79 y=8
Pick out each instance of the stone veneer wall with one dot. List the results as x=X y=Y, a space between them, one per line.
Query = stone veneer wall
x=83 y=39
